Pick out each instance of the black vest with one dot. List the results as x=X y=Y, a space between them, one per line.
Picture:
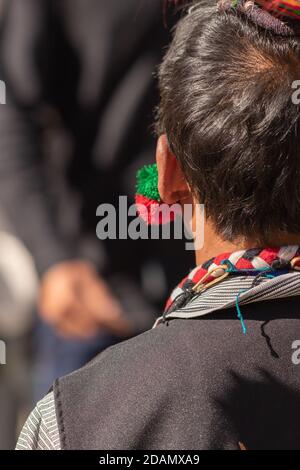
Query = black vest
x=191 y=384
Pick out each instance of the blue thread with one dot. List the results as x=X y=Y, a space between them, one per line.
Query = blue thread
x=234 y=269
x=231 y=268
x=252 y=272
x=239 y=313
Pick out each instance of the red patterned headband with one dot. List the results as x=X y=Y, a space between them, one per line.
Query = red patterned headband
x=279 y=17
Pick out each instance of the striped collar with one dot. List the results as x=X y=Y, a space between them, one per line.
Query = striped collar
x=251 y=276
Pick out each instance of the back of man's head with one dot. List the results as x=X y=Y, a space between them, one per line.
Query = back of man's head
x=226 y=106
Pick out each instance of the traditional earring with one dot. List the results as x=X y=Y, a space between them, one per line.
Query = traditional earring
x=150 y=206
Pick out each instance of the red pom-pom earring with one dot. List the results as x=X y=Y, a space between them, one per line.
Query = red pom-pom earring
x=150 y=206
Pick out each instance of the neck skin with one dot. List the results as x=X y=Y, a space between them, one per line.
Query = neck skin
x=173 y=188
x=215 y=245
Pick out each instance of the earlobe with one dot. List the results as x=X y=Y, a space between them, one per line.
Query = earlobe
x=159 y=186
x=172 y=185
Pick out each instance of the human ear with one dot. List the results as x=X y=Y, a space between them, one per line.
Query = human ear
x=172 y=185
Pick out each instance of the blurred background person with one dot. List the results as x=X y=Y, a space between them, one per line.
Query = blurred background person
x=75 y=128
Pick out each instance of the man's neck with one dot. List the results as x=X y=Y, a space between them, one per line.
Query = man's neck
x=215 y=245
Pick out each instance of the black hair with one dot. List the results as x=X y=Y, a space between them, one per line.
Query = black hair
x=227 y=109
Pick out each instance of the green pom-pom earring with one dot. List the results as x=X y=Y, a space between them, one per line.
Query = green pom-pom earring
x=150 y=206
x=147 y=182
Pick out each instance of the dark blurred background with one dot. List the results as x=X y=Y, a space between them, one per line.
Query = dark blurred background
x=77 y=124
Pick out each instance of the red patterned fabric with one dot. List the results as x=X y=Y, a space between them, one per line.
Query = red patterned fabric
x=252 y=260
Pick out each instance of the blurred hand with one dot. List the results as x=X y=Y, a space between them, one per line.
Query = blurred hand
x=77 y=302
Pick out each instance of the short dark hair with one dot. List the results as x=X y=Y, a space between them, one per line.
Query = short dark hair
x=226 y=107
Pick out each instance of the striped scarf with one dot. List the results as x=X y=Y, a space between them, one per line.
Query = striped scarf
x=253 y=262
